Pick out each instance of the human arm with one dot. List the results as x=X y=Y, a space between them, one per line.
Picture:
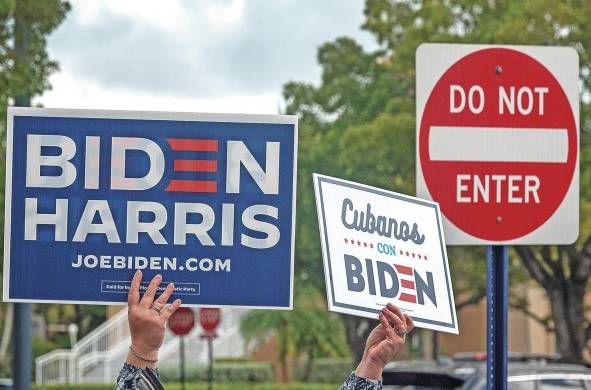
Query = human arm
x=147 y=319
x=385 y=341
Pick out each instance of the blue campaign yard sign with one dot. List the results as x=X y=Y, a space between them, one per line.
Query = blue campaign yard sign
x=206 y=200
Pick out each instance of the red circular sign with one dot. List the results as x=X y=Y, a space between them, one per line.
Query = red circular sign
x=209 y=318
x=503 y=90
x=182 y=321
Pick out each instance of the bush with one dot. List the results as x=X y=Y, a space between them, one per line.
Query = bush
x=326 y=371
x=203 y=386
x=81 y=386
x=222 y=372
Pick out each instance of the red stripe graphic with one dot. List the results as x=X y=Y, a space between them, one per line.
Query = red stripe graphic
x=191 y=186
x=407 y=284
x=195 y=165
x=193 y=145
x=403 y=270
x=408 y=298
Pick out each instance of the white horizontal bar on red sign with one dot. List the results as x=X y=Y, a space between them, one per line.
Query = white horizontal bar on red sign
x=498 y=144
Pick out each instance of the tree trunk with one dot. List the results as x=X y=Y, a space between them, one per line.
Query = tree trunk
x=308 y=366
x=568 y=316
x=358 y=330
x=283 y=349
x=563 y=272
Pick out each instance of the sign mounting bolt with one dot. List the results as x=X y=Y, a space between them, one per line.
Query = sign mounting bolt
x=499 y=219
x=498 y=69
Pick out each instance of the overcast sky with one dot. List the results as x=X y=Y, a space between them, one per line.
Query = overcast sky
x=194 y=55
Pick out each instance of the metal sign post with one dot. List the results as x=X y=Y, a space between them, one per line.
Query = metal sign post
x=21 y=363
x=210 y=362
x=181 y=323
x=497 y=268
x=182 y=352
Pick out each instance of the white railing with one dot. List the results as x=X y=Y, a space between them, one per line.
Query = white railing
x=55 y=366
x=104 y=350
x=65 y=366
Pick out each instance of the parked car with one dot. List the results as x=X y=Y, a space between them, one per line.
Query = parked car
x=6 y=384
x=525 y=373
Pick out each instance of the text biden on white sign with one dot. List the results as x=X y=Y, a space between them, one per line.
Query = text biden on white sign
x=381 y=246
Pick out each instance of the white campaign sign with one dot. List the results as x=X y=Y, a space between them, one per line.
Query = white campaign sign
x=381 y=246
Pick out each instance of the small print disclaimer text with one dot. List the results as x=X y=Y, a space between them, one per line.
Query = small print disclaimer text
x=122 y=287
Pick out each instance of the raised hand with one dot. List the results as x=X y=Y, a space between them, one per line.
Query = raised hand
x=385 y=341
x=147 y=320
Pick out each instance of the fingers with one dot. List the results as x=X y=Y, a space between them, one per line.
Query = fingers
x=394 y=309
x=394 y=320
x=148 y=297
x=170 y=309
x=410 y=325
x=385 y=323
x=134 y=291
x=163 y=298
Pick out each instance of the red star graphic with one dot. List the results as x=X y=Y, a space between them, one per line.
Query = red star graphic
x=371 y=246
x=346 y=241
x=365 y=244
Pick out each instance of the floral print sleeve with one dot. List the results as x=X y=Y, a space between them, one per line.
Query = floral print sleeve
x=129 y=377
x=355 y=382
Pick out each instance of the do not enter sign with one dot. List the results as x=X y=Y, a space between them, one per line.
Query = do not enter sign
x=497 y=141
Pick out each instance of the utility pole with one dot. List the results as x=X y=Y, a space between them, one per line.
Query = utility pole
x=21 y=358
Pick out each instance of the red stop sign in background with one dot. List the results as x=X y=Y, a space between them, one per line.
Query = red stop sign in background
x=209 y=318
x=499 y=218
x=182 y=321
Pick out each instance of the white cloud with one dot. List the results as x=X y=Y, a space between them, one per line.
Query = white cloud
x=70 y=93
x=231 y=54
x=166 y=15
x=225 y=14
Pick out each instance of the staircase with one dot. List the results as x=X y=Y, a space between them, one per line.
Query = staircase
x=98 y=357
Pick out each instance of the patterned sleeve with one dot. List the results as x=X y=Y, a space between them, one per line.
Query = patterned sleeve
x=355 y=382
x=129 y=376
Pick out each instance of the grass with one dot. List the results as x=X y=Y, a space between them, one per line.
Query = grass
x=203 y=386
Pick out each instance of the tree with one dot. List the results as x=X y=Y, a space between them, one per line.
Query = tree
x=562 y=271
x=25 y=67
x=359 y=123
x=308 y=331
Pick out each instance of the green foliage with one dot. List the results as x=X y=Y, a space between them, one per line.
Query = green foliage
x=85 y=386
x=359 y=122
x=25 y=65
x=222 y=372
x=309 y=330
x=41 y=346
x=203 y=386
x=326 y=371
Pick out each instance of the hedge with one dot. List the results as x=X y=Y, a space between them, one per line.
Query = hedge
x=326 y=371
x=203 y=386
x=222 y=372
